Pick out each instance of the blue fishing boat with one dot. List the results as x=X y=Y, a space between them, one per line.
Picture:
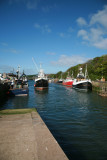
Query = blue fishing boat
x=18 y=92
x=19 y=85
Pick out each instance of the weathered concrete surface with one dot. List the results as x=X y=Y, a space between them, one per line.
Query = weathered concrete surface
x=26 y=137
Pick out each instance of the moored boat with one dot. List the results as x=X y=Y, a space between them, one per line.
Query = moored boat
x=19 y=85
x=41 y=82
x=82 y=82
x=68 y=81
x=60 y=81
x=18 y=92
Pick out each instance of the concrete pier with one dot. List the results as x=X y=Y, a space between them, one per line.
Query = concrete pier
x=24 y=136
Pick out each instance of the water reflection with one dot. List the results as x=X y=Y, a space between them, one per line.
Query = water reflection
x=3 y=102
x=41 y=91
x=16 y=102
x=77 y=120
x=41 y=99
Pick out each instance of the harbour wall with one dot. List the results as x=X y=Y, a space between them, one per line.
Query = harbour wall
x=24 y=136
x=100 y=87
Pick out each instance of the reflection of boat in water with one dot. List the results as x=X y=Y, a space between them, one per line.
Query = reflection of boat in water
x=68 y=81
x=41 y=92
x=41 y=82
x=82 y=82
x=19 y=85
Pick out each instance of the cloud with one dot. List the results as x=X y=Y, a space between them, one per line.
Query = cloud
x=81 y=21
x=68 y=61
x=37 y=26
x=51 y=53
x=30 y=4
x=48 y=7
x=70 y=30
x=43 y=29
x=14 y=51
x=3 y=44
x=10 y=50
x=101 y=44
x=6 y=69
x=96 y=32
x=29 y=71
x=83 y=33
x=67 y=33
x=95 y=37
x=100 y=17
x=7 y=49
x=62 y=35
x=11 y=69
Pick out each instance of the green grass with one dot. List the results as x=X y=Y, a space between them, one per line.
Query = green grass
x=17 y=111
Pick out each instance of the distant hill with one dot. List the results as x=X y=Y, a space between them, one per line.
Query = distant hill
x=96 y=67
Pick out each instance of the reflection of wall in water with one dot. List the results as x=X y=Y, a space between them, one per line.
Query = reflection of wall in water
x=20 y=102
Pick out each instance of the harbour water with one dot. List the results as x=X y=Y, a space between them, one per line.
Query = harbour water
x=77 y=120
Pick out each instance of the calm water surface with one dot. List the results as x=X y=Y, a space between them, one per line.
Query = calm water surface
x=77 y=120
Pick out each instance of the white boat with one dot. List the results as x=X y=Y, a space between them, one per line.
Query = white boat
x=82 y=82
x=41 y=82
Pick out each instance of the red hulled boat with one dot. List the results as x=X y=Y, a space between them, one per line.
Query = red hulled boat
x=68 y=81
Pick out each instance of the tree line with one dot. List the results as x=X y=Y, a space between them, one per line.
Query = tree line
x=97 y=68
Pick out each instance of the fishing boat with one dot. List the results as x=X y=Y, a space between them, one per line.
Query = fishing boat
x=19 y=85
x=68 y=81
x=60 y=81
x=82 y=82
x=41 y=82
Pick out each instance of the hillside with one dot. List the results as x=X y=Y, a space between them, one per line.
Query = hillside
x=96 y=67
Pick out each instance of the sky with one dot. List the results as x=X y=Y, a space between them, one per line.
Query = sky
x=58 y=34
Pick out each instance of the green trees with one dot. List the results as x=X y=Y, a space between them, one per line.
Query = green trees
x=97 y=68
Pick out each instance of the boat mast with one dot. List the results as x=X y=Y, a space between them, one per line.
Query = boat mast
x=86 y=73
x=18 y=72
x=72 y=74
x=35 y=64
x=61 y=75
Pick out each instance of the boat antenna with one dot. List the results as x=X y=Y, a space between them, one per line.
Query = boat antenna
x=35 y=64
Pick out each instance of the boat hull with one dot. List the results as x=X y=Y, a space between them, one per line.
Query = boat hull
x=83 y=86
x=59 y=82
x=41 y=84
x=18 y=92
x=4 y=88
x=68 y=83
